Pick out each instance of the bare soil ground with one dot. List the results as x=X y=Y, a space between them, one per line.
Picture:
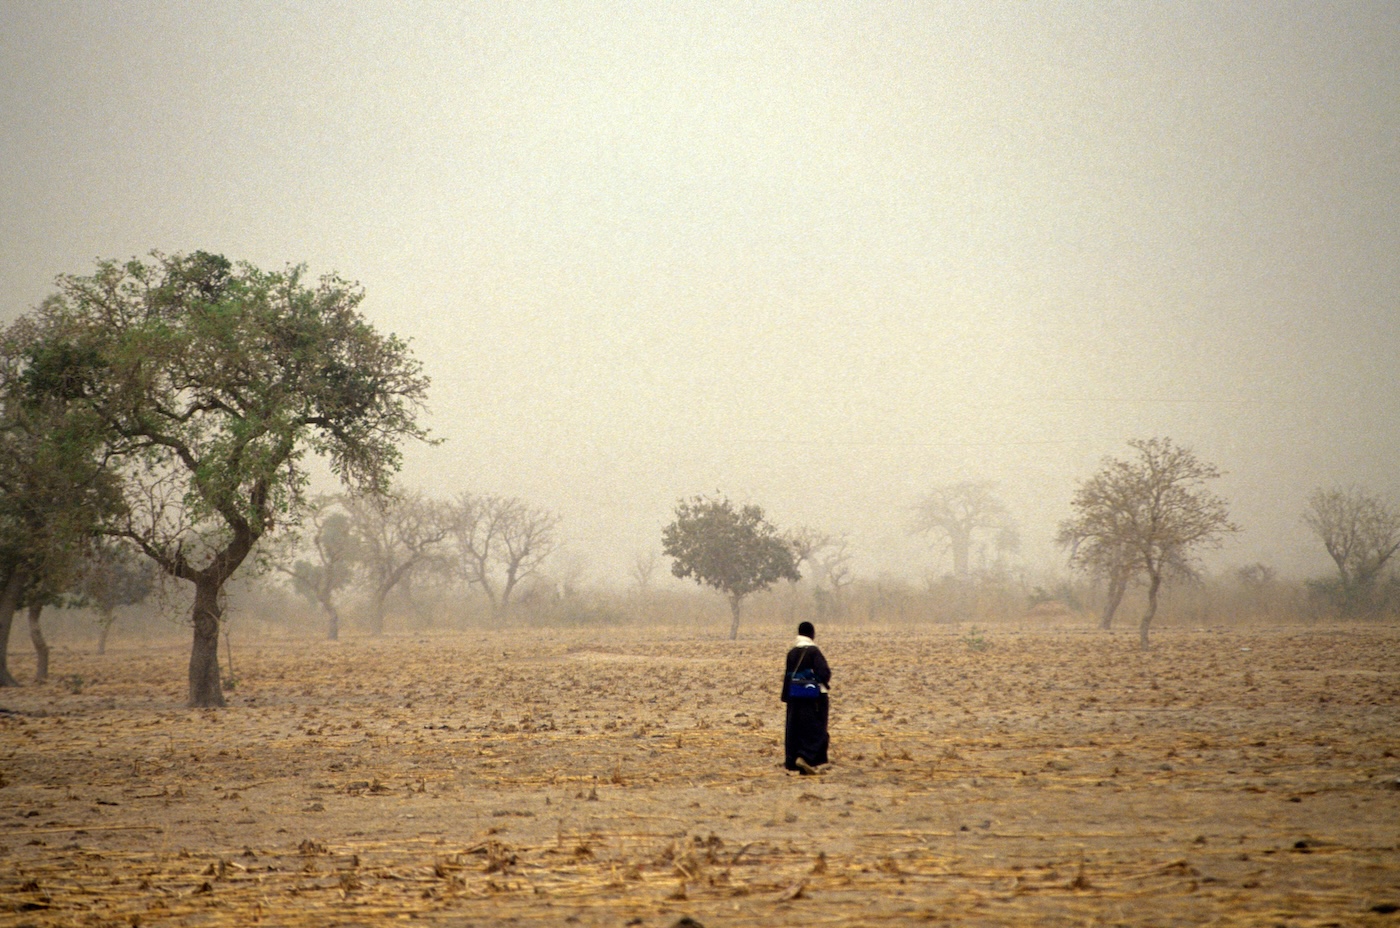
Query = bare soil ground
x=1008 y=777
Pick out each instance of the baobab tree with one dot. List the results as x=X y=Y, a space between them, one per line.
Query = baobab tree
x=956 y=514
x=1146 y=516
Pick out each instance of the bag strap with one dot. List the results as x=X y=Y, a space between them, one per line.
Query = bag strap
x=798 y=665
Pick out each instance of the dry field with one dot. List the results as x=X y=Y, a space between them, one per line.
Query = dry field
x=1008 y=777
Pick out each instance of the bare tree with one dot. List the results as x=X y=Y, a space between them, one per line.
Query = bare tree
x=831 y=569
x=1152 y=513
x=396 y=535
x=956 y=514
x=500 y=541
x=828 y=558
x=1361 y=532
x=806 y=542
x=643 y=569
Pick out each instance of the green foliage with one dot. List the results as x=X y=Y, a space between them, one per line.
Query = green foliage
x=211 y=382
x=57 y=490
x=214 y=380
x=735 y=550
x=975 y=640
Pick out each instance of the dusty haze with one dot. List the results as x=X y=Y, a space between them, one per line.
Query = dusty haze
x=821 y=259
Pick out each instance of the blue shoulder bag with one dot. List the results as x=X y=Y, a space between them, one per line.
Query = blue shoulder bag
x=803 y=682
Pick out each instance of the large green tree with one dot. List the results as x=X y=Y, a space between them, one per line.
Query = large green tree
x=733 y=549
x=1146 y=516
x=56 y=486
x=217 y=380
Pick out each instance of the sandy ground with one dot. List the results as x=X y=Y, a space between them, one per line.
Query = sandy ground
x=1011 y=776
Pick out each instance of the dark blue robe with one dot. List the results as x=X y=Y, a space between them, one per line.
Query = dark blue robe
x=806 y=718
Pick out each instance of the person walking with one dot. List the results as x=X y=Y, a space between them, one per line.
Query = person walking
x=805 y=686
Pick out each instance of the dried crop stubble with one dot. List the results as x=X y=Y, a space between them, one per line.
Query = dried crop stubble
x=1055 y=777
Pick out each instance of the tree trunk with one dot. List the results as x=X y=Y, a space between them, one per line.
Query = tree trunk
x=104 y=626
x=206 y=689
x=332 y=627
x=1117 y=586
x=41 y=647
x=376 y=612
x=962 y=547
x=734 y=603
x=9 y=602
x=1152 y=587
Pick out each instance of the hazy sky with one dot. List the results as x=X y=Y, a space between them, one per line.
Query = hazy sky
x=819 y=256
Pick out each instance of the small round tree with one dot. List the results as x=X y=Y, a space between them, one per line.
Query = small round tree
x=735 y=550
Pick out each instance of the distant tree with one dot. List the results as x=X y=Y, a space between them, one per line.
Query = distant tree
x=500 y=542
x=956 y=514
x=1361 y=532
x=828 y=558
x=36 y=638
x=57 y=489
x=831 y=565
x=111 y=575
x=224 y=377
x=1152 y=512
x=734 y=550
x=334 y=550
x=643 y=568
x=1256 y=577
x=805 y=542
x=396 y=535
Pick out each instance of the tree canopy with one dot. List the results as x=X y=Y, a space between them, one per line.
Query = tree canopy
x=1148 y=515
x=734 y=550
x=56 y=486
x=214 y=381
